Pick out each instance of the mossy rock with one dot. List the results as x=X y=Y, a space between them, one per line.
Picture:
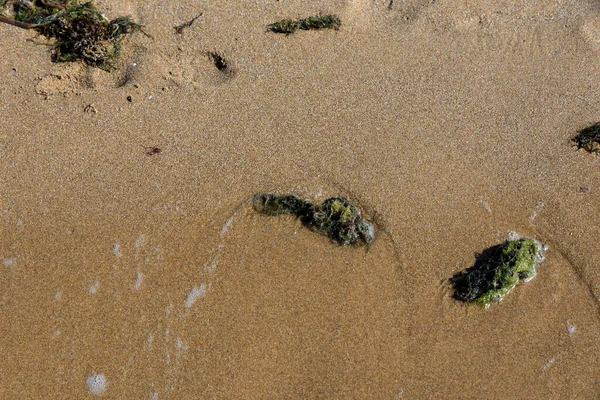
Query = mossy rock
x=336 y=217
x=497 y=271
x=588 y=138
x=79 y=31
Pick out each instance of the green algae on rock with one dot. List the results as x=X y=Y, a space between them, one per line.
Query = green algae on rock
x=588 y=138
x=497 y=271
x=336 y=216
x=314 y=22
x=79 y=31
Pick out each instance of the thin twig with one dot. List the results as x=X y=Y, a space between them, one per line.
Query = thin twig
x=52 y=4
x=19 y=24
x=180 y=28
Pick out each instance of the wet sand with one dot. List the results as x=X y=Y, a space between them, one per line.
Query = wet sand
x=447 y=122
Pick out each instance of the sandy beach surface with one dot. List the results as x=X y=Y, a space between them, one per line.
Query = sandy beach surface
x=131 y=273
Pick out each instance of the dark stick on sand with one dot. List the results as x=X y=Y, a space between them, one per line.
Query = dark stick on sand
x=180 y=28
x=19 y=24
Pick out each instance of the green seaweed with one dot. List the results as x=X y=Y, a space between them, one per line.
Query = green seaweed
x=286 y=26
x=315 y=22
x=79 y=31
x=35 y=13
x=497 y=271
x=588 y=138
x=336 y=217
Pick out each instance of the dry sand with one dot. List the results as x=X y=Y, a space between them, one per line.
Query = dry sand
x=448 y=120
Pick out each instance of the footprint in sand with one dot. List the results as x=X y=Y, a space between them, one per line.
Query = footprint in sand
x=590 y=31
x=359 y=13
x=408 y=10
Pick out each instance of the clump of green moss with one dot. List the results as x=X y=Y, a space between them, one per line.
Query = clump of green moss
x=79 y=31
x=314 y=22
x=497 y=271
x=336 y=216
x=588 y=138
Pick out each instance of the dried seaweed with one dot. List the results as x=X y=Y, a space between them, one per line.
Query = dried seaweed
x=315 y=22
x=220 y=62
x=336 y=217
x=588 y=138
x=79 y=31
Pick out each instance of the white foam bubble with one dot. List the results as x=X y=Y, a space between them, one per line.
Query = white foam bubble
x=196 y=292
x=138 y=280
x=150 y=339
x=486 y=206
x=538 y=207
x=96 y=384
x=571 y=328
x=117 y=249
x=511 y=235
x=141 y=240
x=225 y=227
x=94 y=288
x=549 y=363
x=9 y=262
x=213 y=266
x=154 y=396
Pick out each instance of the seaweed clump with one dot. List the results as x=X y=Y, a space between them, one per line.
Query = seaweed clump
x=79 y=31
x=336 y=216
x=314 y=22
x=588 y=138
x=220 y=62
x=497 y=271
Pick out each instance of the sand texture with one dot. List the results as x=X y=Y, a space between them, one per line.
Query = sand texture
x=135 y=273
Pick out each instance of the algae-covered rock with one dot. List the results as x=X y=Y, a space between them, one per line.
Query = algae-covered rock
x=497 y=271
x=588 y=138
x=335 y=217
x=79 y=31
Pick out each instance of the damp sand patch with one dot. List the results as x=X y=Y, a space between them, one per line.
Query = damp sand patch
x=336 y=218
x=497 y=270
x=77 y=31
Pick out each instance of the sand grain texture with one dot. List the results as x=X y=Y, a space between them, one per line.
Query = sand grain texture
x=449 y=120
